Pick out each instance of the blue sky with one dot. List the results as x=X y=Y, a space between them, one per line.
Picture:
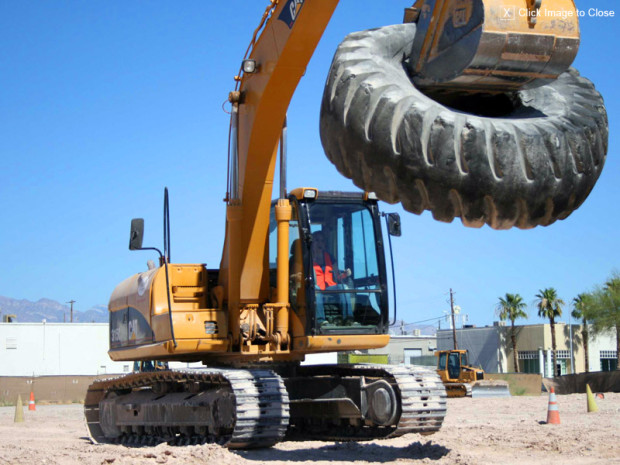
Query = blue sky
x=103 y=103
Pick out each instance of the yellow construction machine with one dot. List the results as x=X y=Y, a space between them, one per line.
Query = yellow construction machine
x=461 y=379
x=306 y=273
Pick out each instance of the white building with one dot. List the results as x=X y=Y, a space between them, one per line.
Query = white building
x=43 y=349
x=409 y=350
x=40 y=349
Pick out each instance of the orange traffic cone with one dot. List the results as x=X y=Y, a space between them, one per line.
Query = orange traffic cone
x=553 y=414
x=31 y=405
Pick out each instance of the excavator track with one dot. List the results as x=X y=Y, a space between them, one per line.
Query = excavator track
x=235 y=408
x=242 y=408
x=422 y=399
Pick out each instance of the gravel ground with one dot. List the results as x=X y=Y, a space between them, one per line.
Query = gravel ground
x=475 y=431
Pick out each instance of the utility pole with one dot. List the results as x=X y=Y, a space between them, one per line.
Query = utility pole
x=572 y=357
x=453 y=323
x=71 y=302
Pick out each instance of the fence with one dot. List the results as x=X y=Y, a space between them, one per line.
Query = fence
x=600 y=381
x=46 y=389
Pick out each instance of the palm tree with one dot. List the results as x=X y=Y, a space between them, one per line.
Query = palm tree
x=612 y=289
x=510 y=308
x=550 y=306
x=580 y=308
x=604 y=314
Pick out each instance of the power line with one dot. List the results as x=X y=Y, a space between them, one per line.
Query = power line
x=424 y=321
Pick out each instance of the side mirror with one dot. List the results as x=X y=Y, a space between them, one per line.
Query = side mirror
x=393 y=221
x=136 y=234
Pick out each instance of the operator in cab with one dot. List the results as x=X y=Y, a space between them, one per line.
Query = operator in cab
x=328 y=277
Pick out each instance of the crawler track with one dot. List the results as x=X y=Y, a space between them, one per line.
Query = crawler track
x=259 y=417
x=422 y=399
x=248 y=408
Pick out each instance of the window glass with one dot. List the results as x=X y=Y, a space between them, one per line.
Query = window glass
x=365 y=260
x=454 y=367
x=442 y=361
x=345 y=265
x=530 y=365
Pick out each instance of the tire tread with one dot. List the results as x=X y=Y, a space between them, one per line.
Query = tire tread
x=523 y=170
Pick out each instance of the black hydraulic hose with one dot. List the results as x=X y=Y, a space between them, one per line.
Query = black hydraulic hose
x=166 y=226
x=167 y=259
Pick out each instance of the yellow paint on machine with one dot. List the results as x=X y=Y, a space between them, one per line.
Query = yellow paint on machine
x=340 y=342
x=498 y=45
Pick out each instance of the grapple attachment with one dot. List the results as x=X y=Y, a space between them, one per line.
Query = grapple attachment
x=491 y=45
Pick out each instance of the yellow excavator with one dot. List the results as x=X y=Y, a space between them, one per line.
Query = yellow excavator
x=414 y=113
x=461 y=379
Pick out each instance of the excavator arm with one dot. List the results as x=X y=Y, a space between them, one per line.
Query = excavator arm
x=280 y=54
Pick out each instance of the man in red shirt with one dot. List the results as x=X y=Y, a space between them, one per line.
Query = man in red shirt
x=327 y=276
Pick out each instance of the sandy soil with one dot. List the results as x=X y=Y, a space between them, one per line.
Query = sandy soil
x=475 y=431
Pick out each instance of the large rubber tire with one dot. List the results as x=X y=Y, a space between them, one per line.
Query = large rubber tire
x=532 y=165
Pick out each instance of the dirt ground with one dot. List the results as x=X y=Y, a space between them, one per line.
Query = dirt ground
x=475 y=431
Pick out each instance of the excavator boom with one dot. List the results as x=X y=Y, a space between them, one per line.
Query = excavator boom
x=280 y=55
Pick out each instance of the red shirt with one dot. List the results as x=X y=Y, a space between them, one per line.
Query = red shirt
x=325 y=277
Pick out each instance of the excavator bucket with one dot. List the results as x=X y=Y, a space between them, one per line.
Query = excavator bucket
x=490 y=388
x=491 y=45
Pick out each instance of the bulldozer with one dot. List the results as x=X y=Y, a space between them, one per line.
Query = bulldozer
x=461 y=379
x=414 y=113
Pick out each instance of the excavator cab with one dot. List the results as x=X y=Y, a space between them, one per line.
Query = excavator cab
x=449 y=365
x=453 y=366
x=337 y=268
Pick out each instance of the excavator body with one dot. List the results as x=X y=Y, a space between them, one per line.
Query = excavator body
x=139 y=317
x=262 y=365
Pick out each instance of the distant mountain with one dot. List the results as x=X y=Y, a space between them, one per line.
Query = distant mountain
x=50 y=311
x=98 y=314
